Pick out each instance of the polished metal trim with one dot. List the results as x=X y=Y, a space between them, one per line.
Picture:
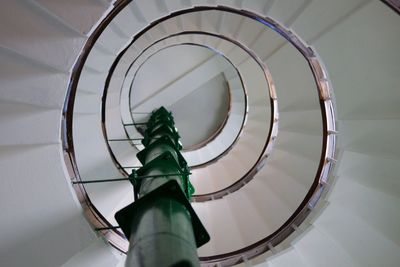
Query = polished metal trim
x=268 y=79
x=304 y=209
x=273 y=127
x=214 y=135
x=94 y=217
x=227 y=59
x=393 y=4
x=324 y=169
x=315 y=191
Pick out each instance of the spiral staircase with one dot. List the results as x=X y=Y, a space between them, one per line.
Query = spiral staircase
x=298 y=168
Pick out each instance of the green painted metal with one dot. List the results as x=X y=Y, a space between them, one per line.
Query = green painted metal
x=131 y=178
x=161 y=225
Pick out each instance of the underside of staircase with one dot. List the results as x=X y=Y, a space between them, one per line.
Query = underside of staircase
x=293 y=154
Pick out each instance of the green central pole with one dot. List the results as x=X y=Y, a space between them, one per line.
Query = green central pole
x=162 y=227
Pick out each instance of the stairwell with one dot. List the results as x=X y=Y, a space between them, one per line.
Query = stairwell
x=47 y=222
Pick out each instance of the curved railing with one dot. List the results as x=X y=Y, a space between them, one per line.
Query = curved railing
x=274 y=112
x=267 y=146
x=267 y=75
x=98 y=222
x=216 y=133
x=326 y=163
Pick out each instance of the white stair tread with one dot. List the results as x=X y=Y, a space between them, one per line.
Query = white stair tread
x=290 y=190
x=97 y=254
x=344 y=73
x=286 y=12
x=222 y=229
x=287 y=258
x=305 y=121
x=20 y=124
x=259 y=6
x=127 y=17
x=243 y=207
x=320 y=16
x=47 y=36
x=21 y=76
x=112 y=40
x=81 y=15
x=151 y=10
x=86 y=103
x=349 y=231
x=91 y=81
x=294 y=82
x=376 y=173
x=365 y=201
x=99 y=60
x=91 y=152
x=249 y=31
x=267 y=44
x=266 y=201
x=197 y=179
x=377 y=209
x=302 y=169
x=309 y=146
x=367 y=137
x=42 y=193
x=317 y=249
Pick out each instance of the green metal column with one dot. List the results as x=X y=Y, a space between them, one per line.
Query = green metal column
x=161 y=225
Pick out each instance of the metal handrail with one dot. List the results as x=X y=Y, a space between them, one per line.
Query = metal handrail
x=215 y=135
x=265 y=244
x=273 y=125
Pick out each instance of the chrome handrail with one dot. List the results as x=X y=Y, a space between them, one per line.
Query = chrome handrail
x=219 y=129
x=273 y=125
x=227 y=59
x=305 y=208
